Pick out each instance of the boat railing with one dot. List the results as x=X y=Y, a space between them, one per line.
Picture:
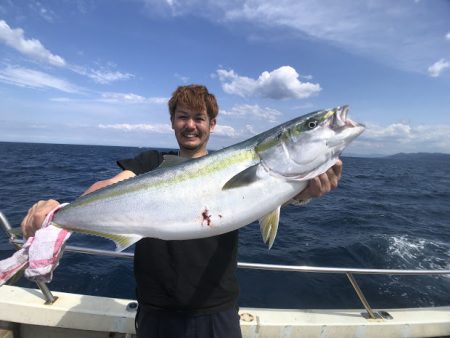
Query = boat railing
x=349 y=272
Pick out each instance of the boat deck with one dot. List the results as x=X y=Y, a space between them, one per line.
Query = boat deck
x=24 y=314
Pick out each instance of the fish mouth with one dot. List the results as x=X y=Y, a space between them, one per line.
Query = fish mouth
x=340 y=120
x=345 y=129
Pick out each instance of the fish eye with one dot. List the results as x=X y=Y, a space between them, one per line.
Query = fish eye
x=311 y=124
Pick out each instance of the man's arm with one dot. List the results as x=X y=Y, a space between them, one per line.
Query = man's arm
x=37 y=213
x=101 y=184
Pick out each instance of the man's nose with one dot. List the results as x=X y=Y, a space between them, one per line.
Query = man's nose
x=190 y=123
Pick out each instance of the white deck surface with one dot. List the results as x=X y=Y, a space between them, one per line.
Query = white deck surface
x=99 y=316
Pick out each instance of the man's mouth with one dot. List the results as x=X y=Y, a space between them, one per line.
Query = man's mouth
x=189 y=135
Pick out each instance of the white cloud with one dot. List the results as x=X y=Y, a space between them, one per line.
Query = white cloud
x=153 y=128
x=403 y=137
x=280 y=83
x=219 y=130
x=236 y=134
x=44 y=12
x=34 y=49
x=447 y=36
x=250 y=129
x=228 y=131
x=105 y=77
x=25 y=77
x=247 y=110
x=102 y=75
x=132 y=98
x=399 y=131
x=31 y=47
x=438 y=67
x=183 y=78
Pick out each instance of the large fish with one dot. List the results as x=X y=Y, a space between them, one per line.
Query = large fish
x=219 y=192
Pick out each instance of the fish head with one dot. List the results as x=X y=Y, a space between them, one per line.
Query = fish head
x=308 y=145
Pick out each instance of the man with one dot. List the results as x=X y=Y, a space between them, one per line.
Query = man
x=185 y=288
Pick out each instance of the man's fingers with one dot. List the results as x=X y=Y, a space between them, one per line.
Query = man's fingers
x=36 y=215
x=333 y=178
x=337 y=168
x=325 y=185
x=25 y=225
x=315 y=187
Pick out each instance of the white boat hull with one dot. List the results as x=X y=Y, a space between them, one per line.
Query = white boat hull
x=23 y=314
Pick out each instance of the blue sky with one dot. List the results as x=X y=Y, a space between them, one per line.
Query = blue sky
x=101 y=72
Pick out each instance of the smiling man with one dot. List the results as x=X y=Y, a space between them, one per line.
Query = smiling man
x=185 y=288
x=192 y=119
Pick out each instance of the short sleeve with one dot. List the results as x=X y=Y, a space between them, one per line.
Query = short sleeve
x=144 y=162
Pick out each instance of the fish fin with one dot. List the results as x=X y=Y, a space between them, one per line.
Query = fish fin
x=122 y=241
x=268 y=225
x=125 y=241
x=244 y=178
x=172 y=160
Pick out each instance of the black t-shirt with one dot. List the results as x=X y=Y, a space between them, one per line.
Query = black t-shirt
x=187 y=276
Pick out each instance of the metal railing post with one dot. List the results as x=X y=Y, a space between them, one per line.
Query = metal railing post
x=361 y=296
x=49 y=298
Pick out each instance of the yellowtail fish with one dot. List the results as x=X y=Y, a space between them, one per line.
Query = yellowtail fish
x=220 y=192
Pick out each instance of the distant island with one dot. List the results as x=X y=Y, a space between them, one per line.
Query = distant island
x=421 y=156
x=404 y=156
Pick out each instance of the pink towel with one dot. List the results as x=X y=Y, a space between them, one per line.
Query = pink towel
x=39 y=255
x=10 y=266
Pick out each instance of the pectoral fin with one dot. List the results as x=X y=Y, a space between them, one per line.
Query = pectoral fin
x=269 y=226
x=244 y=178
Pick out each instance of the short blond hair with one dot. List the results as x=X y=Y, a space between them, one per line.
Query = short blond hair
x=194 y=97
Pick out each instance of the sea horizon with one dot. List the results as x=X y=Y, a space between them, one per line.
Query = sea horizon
x=175 y=148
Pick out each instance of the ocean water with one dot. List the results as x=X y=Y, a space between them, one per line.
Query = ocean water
x=388 y=213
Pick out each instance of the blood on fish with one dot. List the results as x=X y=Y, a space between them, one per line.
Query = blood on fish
x=206 y=217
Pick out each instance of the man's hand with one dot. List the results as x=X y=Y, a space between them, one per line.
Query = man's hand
x=36 y=215
x=322 y=184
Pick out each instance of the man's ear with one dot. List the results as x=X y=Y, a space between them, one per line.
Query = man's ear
x=212 y=124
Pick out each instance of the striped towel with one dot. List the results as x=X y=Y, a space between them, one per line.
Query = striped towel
x=39 y=255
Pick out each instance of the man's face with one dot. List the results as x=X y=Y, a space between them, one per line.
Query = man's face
x=192 y=129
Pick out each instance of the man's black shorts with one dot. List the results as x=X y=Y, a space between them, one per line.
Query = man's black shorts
x=151 y=324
